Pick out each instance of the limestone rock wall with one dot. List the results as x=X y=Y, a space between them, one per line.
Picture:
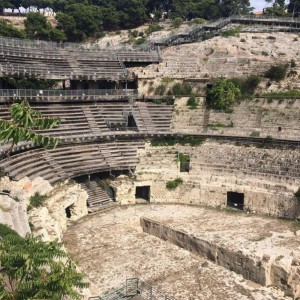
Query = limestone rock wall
x=267 y=177
x=248 y=53
x=50 y=221
x=265 y=270
x=14 y=215
x=261 y=116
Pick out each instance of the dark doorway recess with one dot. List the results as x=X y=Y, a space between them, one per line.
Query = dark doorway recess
x=131 y=122
x=143 y=192
x=235 y=200
x=69 y=211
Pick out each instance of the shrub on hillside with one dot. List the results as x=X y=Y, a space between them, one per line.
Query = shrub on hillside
x=192 y=103
x=37 y=200
x=181 y=89
x=277 y=72
x=177 y=22
x=222 y=95
x=173 y=184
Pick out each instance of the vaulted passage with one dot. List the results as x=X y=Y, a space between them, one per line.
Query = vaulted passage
x=235 y=200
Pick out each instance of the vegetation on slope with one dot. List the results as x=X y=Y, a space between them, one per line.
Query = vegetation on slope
x=80 y=19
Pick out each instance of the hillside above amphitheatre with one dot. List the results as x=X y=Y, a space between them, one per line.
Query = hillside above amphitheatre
x=236 y=56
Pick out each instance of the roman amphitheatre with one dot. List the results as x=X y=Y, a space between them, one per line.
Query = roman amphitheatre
x=155 y=194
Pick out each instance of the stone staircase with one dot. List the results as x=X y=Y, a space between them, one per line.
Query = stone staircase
x=145 y=121
x=98 y=197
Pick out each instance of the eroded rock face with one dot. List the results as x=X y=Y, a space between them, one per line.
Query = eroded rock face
x=25 y=188
x=279 y=271
x=50 y=221
x=14 y=215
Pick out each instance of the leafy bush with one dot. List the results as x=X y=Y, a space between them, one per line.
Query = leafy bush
x=5 y=230
x=255 y=133
x=140 y=41
x=277 y=72
x=177 y=22
x=153 y=28
x=37 y=200
x=181 y=89
x=192 y=103
x=199 y=20
x=160 y=90
x=173 y=184
x=222 y=95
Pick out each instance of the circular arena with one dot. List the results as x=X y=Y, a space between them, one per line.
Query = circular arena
x=155 y=195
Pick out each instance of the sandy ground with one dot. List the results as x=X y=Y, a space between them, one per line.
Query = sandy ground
x=110 y=247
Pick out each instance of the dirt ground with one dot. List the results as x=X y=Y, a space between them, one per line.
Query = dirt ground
x=110 y=247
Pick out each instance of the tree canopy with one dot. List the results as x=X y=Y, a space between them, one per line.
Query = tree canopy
x=32 y=269
x=80 y=19
x=24 y=125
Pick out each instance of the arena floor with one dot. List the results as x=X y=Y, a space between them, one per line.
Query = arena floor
x=110 y=247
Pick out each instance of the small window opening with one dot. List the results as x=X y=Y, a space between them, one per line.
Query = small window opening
x=184 y=162
x=143 y=192
x=235 y=200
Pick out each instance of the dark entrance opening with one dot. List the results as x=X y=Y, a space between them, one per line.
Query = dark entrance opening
x=131 y=122
x=235 y=200
x=142 y=192
x=69 y=211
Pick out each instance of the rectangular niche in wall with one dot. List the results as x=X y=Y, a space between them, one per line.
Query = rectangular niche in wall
x=142 y=192
x=235 y=200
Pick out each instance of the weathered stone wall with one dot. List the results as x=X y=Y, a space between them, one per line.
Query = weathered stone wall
x=267 y=270
x=259 y=116
x=267 y=177
x=14 y=215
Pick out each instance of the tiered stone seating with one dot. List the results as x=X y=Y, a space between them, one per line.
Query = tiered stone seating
x=228 y=158
x=47 y=60
x=72 y=161
x=96 y=120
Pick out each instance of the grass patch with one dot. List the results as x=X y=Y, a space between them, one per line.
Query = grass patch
x=192 y=103
x=37 y=200
x=286 y=94
x=173 y=184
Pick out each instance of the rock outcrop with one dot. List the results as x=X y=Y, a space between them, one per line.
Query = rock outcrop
x=14 y=215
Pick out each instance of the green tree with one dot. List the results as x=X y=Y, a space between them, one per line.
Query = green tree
x=222 y=95
x=23 y=126
x=294 y=7
x=38 y=27
x=6 y=29
x=31 y=269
